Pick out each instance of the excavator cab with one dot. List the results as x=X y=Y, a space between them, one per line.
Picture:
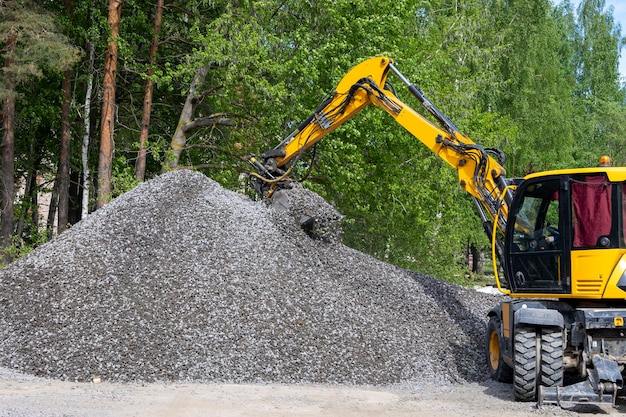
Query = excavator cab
x=564 y=260
x=568 y=234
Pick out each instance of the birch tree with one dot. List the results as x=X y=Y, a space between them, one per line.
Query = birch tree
x=84 y=156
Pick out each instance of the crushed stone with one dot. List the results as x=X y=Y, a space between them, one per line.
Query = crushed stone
x=183 y=280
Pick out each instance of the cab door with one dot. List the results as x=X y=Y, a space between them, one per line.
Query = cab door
x=537 y=246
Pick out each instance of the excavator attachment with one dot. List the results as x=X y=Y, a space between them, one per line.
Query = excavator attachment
x=281 y=200
x=311 y=212
x=366 y=84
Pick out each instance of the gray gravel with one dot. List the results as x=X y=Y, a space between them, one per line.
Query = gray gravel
x=182 y=280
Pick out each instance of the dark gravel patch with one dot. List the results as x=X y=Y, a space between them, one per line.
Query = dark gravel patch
x=182 y=280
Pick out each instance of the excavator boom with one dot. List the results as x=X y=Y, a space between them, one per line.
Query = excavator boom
x=479 y=173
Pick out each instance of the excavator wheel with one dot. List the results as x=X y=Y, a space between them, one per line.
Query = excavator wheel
x=551 y=357
x=526 y=359
x=538 y=360
x=499 y=370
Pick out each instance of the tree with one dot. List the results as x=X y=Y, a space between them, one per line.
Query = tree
x=63 y=174
x=107 y=122
x=32 y=44
x=8 y=141
x=232 y=82
x=188 y=122
x=140 y=166
x=599 y=95
x=599 y=43
x=84 y=157
x=538 y=85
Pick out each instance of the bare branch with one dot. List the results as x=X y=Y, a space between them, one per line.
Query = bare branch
x=217 y=119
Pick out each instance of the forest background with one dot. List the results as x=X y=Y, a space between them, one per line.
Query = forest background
x=98 y=96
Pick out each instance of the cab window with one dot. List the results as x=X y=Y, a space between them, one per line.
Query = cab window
x=594 y=208
x=537 y=222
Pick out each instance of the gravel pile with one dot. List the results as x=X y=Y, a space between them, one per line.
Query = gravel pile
x=182 y=280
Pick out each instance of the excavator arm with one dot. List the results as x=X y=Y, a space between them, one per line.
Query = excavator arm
x=479 y=173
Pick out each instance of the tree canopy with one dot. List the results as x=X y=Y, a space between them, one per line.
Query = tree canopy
x=229 y=78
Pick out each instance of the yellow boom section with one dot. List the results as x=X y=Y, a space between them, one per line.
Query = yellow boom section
x=479 y=174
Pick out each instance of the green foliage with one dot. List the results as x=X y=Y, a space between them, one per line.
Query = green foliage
x=21 y=248
x=538 y=81
x=38 y=44
x=123 y=177
x=599 y=95
x=32 y=236
x=539 y=86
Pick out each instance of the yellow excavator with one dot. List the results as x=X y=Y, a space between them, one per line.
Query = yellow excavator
x=558 y=236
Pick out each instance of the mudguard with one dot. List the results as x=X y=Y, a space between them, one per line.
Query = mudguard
x=539 y=316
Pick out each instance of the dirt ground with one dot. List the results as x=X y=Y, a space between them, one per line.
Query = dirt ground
x=29 y=396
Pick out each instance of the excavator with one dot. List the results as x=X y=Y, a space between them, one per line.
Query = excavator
x=558 y=242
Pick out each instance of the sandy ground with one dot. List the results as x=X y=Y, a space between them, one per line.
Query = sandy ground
x=28 y=396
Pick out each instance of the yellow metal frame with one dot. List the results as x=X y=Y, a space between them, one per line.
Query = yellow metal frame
x=494 y=237
x=376 y=70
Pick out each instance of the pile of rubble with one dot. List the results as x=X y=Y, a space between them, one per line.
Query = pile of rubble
x=182 y=280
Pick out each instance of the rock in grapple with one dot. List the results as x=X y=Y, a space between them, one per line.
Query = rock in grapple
x=310 y=211
x=182 y=280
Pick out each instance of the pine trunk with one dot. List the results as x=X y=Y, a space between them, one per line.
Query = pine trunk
x=63 y=174
x=8 y=159
x=140 y=167
x=107 y=144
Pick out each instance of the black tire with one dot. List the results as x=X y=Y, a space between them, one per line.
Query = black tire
x=538 y=361
x=551 y=357
x=498 y=369
x=526 y=360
